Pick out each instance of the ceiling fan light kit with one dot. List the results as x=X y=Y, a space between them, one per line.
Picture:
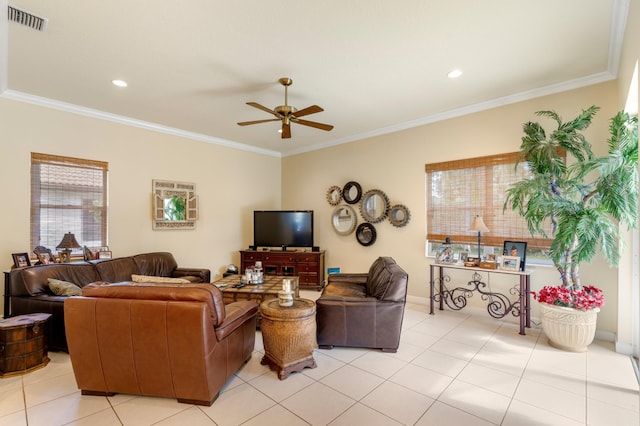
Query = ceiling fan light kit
x=288 y=114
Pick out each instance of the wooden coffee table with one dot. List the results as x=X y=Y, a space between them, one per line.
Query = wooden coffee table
x=255 y=292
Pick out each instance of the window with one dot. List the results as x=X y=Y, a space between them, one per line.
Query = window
x=68 y=195
x=459 y=190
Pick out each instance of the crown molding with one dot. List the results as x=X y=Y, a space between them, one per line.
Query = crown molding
x=466 y=110
x=128 y=121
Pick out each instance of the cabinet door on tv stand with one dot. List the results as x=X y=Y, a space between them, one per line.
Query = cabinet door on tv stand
x=288 y=271
x=248 y=259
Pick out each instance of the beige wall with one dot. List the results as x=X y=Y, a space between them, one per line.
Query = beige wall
x=395 y=163
x=230 y=184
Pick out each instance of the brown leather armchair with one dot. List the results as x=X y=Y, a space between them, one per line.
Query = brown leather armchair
x=169 y=340
x=363 y=310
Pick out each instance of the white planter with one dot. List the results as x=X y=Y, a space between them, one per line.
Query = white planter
x=568 y=329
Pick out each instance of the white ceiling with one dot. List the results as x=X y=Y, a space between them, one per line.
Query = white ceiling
x=374 y=66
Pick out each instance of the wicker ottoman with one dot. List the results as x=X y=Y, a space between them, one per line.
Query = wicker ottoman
x=23 y=345
x=289 y=335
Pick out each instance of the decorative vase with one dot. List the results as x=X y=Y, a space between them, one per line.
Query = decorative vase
x=568 y=329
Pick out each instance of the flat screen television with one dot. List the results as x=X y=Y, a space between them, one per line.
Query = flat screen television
x=282 y=228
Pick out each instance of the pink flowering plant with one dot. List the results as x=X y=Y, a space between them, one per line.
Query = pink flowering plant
x=586 y=298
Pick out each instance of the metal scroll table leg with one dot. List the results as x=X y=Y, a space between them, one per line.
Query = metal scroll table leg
x=431 y=289
x=525 y=310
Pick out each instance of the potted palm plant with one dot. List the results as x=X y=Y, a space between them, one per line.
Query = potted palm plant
x=578 y=201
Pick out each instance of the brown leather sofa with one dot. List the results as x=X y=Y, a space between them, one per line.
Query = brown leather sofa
x=169 y=340
x=29 y=287
x=363 y=310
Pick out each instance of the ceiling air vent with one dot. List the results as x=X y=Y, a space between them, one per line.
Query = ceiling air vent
x=29 y=19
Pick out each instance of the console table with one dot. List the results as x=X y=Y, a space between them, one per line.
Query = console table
x=499 y=304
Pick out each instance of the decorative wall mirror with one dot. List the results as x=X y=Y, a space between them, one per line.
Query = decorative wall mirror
x=352 y=192
x=374 y=206
x=175 y=205
x=366 y=234
x=399 y=215
x=334 y=195
x=344 y=219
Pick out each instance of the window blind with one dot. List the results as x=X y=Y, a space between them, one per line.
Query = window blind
x=459 y=190
x=68 y=195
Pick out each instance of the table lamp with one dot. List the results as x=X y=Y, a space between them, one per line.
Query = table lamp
x=478 y=225
x=68 y=242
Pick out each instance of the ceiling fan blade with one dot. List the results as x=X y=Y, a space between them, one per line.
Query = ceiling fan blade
x=263 y=108
x=320 y=126
x=286 y=131
x=308 y=110
x=246 y=123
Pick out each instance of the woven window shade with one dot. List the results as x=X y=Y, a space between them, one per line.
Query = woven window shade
x=457 y=191
x=68 y=195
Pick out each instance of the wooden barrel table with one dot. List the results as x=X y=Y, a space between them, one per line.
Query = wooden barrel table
x=288 y=335
x=23 y=345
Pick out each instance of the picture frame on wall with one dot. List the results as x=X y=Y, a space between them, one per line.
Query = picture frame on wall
x=516 y=248
x=21 y=260
x=510 y=263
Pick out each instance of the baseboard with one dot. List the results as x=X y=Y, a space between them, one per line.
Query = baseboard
x=622 y=347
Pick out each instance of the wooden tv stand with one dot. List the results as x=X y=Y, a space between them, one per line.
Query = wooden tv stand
x=308 y=265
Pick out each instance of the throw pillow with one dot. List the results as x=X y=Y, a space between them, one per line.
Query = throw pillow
x=64 y=288
x=151 y=279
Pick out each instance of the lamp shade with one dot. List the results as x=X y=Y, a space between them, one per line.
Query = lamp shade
x=478 y=225
x=68 y=242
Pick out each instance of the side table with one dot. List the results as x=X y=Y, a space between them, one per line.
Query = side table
x=23 y=345
x=289 y=335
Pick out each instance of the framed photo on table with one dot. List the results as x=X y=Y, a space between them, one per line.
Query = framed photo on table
x=45 y=257
x=516 y=248
x=104 y=254
x=20 y=260
x=510 y=263
x=445 y=254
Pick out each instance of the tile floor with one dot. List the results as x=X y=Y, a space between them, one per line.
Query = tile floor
x=452 y=368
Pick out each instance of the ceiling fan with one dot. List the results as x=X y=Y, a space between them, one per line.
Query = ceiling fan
x=288 y=114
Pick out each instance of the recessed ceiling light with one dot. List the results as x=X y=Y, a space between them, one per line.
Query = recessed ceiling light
x=119 y=83
x=454 y=74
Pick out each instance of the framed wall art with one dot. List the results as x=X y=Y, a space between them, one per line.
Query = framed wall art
x=175 y=205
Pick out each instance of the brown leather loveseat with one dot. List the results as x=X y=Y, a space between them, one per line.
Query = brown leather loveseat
x=29 y=287
x=169 y=340
x=363 y=309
